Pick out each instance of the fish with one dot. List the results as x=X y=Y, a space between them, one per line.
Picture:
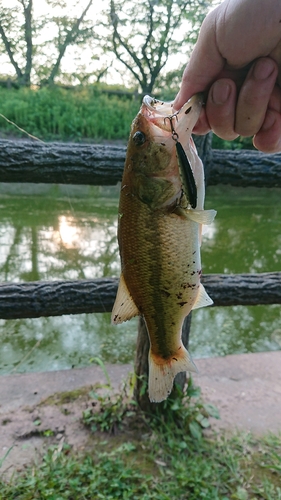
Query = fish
x=160 y=219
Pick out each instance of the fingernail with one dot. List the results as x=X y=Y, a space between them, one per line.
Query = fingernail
x=263 y=69
x=220 y=92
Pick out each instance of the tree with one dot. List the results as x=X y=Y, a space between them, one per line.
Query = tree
x=145 y=34
x=17 y=36
x=21 y=32
x=70 y=31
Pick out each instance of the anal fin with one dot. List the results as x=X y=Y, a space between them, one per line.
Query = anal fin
x=124 y=307
x=202 y=299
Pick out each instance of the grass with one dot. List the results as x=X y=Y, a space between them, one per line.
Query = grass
x=156 y=456
x=84 y=113
x=78 y=114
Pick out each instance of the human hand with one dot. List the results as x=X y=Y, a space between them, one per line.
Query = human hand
x=237 y=60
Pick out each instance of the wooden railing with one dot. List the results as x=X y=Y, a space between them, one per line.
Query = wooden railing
x=69 y=163
x=35 y=162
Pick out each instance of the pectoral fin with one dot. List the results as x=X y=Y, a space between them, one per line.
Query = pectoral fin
x=124 y=307
x=202 y=216
x=202 y=299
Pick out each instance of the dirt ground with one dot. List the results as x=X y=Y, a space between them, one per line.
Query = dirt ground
x=35 y=411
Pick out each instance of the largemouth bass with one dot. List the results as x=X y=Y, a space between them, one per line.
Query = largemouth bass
x=161 y=215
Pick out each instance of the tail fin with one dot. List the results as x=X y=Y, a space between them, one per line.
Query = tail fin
x=162 y=373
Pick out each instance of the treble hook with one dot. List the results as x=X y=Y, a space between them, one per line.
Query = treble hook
x=175 y=135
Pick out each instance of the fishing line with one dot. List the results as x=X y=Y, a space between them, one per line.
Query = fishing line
x=21 y=129
x=43 y=142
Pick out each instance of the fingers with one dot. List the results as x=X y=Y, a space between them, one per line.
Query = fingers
x=219 y=112
x=255 y=110
x=254 y=96
x=268 y=138
x=220 y=109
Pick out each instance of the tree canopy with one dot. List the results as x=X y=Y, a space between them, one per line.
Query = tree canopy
x=136 y=38
x=31 y=55
x=144 y=34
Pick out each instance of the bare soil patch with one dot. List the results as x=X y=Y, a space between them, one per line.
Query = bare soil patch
x=39 y=409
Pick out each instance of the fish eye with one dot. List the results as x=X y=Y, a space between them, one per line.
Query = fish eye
x=139 y=138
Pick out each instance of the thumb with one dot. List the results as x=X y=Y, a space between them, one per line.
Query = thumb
x=206 y=63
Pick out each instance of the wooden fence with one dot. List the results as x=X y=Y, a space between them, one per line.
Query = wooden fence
x=68 y=163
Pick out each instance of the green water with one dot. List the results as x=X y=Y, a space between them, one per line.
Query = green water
x=67 y=232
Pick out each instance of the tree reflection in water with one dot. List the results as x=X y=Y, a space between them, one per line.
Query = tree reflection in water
x=57 y=233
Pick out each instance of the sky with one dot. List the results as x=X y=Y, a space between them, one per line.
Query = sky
x=73 y=57
x=40 y=8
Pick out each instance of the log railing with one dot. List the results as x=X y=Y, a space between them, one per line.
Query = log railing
x=68 y=163
x=55 y=298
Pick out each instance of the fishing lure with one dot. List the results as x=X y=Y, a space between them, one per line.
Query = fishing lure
x=187 y=176
x=186 y=173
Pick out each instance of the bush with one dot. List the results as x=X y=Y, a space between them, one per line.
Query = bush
x=67 y=114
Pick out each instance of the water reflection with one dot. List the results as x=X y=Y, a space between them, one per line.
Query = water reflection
x=67 y=232
x=55 y=238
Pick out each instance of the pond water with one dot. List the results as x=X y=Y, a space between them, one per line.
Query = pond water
x=68 y=232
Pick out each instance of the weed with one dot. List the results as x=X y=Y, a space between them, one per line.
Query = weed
x=56 y=113
x=2 y=460
x=156 y=463
x=186 y=412
x=161 y=455
x=110 y=412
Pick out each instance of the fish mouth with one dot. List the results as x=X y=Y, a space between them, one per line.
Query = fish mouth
x=164 y=116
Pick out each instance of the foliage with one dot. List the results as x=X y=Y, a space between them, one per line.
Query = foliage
x=110 y=411
x=139 y=35
x=57 y=113
x=94 y=112
x=164 y=458
x=16 y=35
x=185 y=412
x=239 y=143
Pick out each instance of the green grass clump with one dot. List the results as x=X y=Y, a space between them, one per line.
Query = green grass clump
x=154 y=456
x=238 y=468
x=67 y=114
x=239 y=143
x=184 y=413
x=77 y=114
